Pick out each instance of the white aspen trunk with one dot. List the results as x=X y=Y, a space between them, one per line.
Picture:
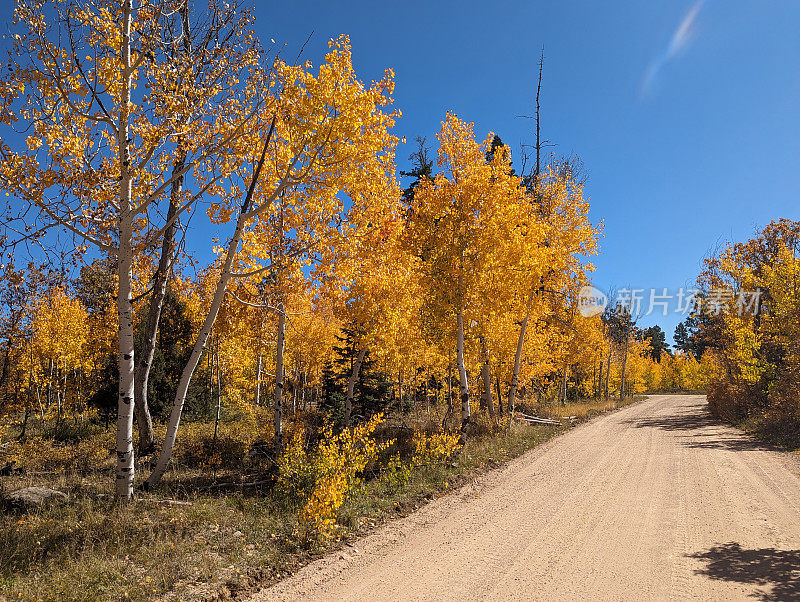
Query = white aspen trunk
x=564 y=386
x=608 y=373
x=523 y=326
x=279 y=364
x=36 y=388
x=258 y=382
x=125 y=466
x=279 y=378
x=205 y=330
x=351 y=386
x=191 y=365
x=210 y=365
x=487 y=383
x=219 y=396
x=50 y=385
x=145 y=361
x=462 y=375
x=303 y=391
x=58 y=403
x=624 y=363
x=142 y=410
x=599 y=391
x=188 y=372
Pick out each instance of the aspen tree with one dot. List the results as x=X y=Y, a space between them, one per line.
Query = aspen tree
x=458 y=220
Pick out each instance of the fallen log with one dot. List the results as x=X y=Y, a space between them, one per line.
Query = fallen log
x=234 y=485
x=536 y=419
x=165 y=502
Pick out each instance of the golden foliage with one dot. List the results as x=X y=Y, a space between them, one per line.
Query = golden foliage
x=326 y=476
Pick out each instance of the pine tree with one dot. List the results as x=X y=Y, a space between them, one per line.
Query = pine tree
x=658 y=342
x=372 y=391
x=332 y=398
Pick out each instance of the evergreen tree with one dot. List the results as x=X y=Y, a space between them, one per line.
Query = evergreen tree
x=372 y=391
x=682 y=337
x=658 y=342
x=333 y=394
x=698 y=332
x=618 y=322
x=173 y=346
x=497 y=142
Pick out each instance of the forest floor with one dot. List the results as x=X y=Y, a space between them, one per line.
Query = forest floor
x=656 y=501
x=204 y=536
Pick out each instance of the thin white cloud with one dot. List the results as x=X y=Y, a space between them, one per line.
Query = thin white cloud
x=680 y=39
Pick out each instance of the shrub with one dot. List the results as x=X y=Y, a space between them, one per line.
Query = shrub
x=198 y=447
x=326 y=476
x=295 y=473
x=70 y=431
x=36 y=453
x=396 y=473
x=429 y=449
x=433 y=448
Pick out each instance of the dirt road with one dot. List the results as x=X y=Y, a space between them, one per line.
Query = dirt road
x=655 y=501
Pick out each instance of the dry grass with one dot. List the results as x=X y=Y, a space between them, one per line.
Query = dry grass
x=587 y=408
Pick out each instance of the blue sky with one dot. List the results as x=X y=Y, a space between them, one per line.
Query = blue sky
x=686 y=115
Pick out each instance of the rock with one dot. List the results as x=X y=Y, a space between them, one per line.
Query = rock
x=33 y=497
x=238 y=534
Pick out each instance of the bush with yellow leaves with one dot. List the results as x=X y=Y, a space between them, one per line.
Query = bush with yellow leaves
x=295 y=471
x=326 y=476
x=428 y=449
x=396 y=473
x=433 y=448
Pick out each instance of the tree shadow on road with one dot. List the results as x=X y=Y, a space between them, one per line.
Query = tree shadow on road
x=700 y=429
x=777 y=570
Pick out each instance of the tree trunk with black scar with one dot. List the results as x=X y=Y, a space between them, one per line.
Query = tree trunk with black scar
x=462 y=375
x=124 y=447
x=499 y=395
x=599 y=390
x=258 y=382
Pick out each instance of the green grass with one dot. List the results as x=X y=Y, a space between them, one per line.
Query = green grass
x=222 y=542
